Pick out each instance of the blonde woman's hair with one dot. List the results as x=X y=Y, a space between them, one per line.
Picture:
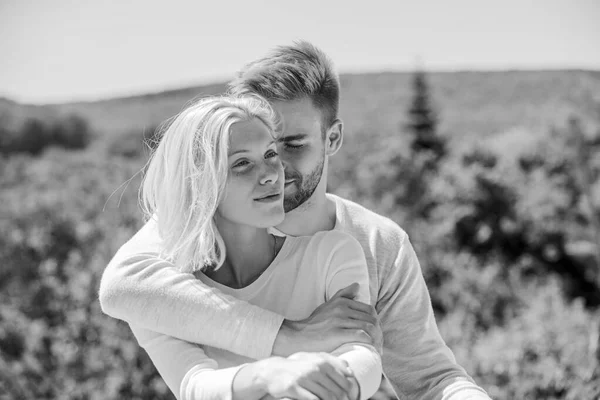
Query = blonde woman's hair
x=187 y=173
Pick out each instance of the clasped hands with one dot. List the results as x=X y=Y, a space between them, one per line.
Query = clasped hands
x=304 y=370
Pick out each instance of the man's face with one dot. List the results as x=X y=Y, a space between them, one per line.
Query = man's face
x=301 y=149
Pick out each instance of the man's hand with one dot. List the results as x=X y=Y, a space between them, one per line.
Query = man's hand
x=305 y=376
x=336 y=322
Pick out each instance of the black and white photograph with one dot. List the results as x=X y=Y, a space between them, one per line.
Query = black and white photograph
x=315 y=200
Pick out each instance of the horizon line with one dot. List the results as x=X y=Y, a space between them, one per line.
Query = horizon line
x=130 y=94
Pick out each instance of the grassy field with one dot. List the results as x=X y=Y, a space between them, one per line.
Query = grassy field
x=503 y=227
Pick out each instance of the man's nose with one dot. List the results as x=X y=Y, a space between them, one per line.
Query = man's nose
x=282 y=154
x=284 y=162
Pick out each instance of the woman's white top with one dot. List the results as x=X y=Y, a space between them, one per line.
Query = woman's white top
x=307 y=271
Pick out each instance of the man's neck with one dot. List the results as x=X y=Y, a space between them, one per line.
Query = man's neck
x=315 y=215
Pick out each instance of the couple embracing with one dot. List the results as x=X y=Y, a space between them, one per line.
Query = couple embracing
x=249 y=281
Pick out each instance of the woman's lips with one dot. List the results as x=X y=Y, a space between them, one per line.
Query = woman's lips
x=269 y=198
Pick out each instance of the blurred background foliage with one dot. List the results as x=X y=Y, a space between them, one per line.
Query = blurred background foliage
x=495 y=176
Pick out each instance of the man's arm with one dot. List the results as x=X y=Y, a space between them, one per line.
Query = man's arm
x=347 y=266
x=141 y=288
x=339 y=320
x=416 y=360
x=144 y=290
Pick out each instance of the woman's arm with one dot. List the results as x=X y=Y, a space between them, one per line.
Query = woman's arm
x=347 y=265
x=185 y=367
x=146 y=291
x=191 y=374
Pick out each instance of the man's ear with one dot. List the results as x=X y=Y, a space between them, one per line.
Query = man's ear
x=334 y=137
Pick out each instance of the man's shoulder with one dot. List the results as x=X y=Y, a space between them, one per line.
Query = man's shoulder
x=146 y=241
x=333 y=239
x=356 y=218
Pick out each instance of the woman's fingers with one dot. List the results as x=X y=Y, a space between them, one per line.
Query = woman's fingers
x=337 y=381
x=303 y=393
x=322 y=387
x=329 y=376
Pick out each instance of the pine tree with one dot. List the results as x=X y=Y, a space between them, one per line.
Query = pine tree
x=423 y=120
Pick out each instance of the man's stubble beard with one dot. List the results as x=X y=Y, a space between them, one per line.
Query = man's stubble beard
x=306 y=187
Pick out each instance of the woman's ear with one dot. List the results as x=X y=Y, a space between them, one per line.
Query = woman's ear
x=334 y=137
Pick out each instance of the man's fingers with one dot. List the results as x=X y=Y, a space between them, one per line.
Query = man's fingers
x=344 y=336
x=354 y=315
x=345 y=303
x=361 y=317
x=356 y=335
x=362 y=307
x=348 y=292
x=357 y=324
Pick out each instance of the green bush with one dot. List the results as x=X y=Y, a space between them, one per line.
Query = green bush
x=493 y=238
x=549 y=351
x=135 y=144
x=36 y=135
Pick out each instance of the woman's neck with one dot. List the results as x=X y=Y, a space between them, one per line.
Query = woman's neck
x=249 y=251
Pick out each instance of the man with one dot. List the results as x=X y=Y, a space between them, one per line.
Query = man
x=142 y=289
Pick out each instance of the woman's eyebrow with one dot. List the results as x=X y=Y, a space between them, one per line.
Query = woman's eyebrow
x=247 y=151
x=238 y=151
x=291 y=138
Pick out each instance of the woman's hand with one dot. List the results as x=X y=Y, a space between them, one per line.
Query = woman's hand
x=350 y=383
x=306 y=376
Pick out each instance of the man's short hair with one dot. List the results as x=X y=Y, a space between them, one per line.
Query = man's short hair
x=293 y=72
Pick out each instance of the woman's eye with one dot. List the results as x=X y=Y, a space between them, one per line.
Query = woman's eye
x=271 y=154
x=241 y=163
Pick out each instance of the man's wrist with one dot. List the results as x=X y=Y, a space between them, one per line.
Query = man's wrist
x=284 y=339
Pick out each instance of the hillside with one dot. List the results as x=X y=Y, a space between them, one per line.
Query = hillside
x=470 y=103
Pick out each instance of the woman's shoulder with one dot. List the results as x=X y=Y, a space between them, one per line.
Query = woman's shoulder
x=318 y=253
x=328 y=242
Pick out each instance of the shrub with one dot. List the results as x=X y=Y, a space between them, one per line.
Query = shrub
x=35 y=135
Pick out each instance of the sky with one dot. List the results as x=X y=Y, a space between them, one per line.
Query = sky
x=69 y=50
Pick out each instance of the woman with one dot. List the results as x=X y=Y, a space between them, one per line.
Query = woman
x=215 y=184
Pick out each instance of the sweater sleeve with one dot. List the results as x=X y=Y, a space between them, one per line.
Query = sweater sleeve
x=143 y=289
x=416 y=360
x=346 y=265
x=186 y=369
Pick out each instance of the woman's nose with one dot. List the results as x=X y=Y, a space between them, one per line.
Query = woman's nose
x=269 y=174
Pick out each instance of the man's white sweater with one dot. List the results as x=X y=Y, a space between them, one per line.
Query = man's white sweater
x=141 y=288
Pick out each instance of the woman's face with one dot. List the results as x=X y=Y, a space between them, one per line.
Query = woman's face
x=254 y=190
